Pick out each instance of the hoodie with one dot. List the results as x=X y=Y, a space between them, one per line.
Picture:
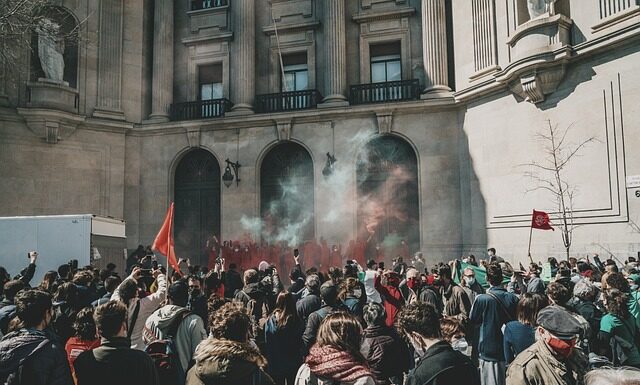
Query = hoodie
x=39 y=357
x=189 y=333
x=225 y=362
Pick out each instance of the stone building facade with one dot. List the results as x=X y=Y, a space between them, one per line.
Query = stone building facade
x=431 y=108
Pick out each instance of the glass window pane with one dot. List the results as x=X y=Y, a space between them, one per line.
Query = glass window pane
x=393 y=71
x=205 y=92
x=216 y=91
x=302 y=80
x=289 y=81
x=378 y=72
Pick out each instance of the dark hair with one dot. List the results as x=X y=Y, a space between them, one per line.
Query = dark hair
x=335 y=274
x=347 y=287
x=251 y=276
x=419 y=318
x=618 y=281
x=444 y=272
x=450 y=327
x=84 y=325
x=109 y=318
x=194 y=277
x=178 y=293
x=491 y=249
x=374 y=314
x=82 y=278
x=48 y=281
x=63 y=271
x=67 y=292
x=111 y=266
x=617 y=303
x=31 y=306
x=558 y=293
x=564 y=272
x=553 y=261
x=313 y=283
x=112 y=283
x=285 y=310
x=232 y=266
x=12 y=288
x=494 y=274
x=231 y=322
x=371 y=263
x=529 y=306
x=342 y=331
x=128 y=291
x=215 y=302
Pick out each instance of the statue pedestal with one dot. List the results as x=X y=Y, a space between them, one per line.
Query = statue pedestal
x=47 y=93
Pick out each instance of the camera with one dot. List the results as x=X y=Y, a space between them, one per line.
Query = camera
x=296 y=253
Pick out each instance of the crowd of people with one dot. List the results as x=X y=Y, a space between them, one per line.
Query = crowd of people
x=462 y=322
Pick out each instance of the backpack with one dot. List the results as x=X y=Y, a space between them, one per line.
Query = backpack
x=164 y=354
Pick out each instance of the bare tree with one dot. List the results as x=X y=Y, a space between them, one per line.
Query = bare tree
x=549 y=174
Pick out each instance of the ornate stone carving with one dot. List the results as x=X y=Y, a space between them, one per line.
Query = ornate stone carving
x=283 y=128
x=533 y=86
x=385 y=121
x=193 y=137
x=539 y=8
x=51 y=49
x=51 y=126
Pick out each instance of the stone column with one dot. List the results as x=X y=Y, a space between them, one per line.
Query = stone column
x=335 y=53
x=4 y=99
x=162 y=88
x=244 y=79
x=434 y=47
x=109 y=104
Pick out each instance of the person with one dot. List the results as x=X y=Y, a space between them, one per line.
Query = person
x=617 y=280
x=253 y=296
x=84 y=339
x=521 y=333
x=559 y=295
x=228 y=357
x=535 y=284
x=470 y=284
x=387 y=285
x=437 y=362
x=311 y=301
x=86 y=292
x=456 y=301
x=418 y=262
x=335 y=359
x=7 y=305
x=174 y=321
x=232 y=281
x=491 y=311
x=613 y=376
x=139 y=309
x=352 y=296
x=197 y=302
x=583 y=303
x=330 y=304
x=553 y=359
x=65 y=309
x=114 y=361
x=111 y=283
x=369 y=278
x=618 y=330
x=283 y=347
x=387 y=355
x=33 y=355
x=296 y=276
x=48 y=282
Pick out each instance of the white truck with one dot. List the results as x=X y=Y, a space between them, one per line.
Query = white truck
x=58 y=239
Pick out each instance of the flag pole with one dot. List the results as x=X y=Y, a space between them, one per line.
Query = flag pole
x=530 y=234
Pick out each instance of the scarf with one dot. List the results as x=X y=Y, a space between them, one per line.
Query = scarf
x=329 y=362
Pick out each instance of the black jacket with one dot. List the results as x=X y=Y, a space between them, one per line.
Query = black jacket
x=33 y=357
x=388 y=356
x=114 y=362
x=308 y=305
x=232 y=283
x=441 y=365
x=313 y=325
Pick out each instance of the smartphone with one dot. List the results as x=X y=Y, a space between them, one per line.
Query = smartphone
x=296 y=252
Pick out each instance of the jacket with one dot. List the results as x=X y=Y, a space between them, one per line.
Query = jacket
x=441 y=365
x=536 y=286
x=189 y=331
x=456 y=302
x=102 y=300
x=232 y=283
x=538 y=366
x=490 y=315
x=148 y=305
x=283 y=347
x=392 y=297
x=307 y=305
x=303 y=377
x=33 y=357
x=115 y=362
x=313 y=325
x=225 y=362
x=253 y=292
x=388 y=356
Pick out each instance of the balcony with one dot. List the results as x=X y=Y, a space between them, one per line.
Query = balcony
x=287 y=101
x=386 y=92
x=197 y=5
x=201 y=109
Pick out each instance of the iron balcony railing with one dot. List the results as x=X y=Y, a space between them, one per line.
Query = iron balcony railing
x=201 y=109
x=385 y=92
x=206 y=4
x=287 y=101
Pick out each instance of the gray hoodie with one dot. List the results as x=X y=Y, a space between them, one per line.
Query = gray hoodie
x=189 y=334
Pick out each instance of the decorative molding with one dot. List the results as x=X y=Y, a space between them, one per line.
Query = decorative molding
x=383 y=15
x=385 y=121
x=49 y=125
x=215 y=19
x=485 y=52
x=193 y=137
x=376 y=31
x=535 y=85
x=284 y=28
x=366 y=4
x=618 y=19
x=226 y=36
x=283 y=129
x=291 y=9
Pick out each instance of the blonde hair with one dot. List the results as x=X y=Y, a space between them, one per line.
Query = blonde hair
x=342 y=331
x=613 y=376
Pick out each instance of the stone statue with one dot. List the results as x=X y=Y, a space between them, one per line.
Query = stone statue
x=50 y=49
x=538 y=8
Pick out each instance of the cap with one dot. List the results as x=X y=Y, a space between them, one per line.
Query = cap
x=558 y=322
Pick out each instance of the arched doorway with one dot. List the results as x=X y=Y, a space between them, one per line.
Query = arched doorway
x=388 y=207
x=286 y=194
x=197 y=204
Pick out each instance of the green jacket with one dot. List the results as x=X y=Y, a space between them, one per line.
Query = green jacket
x=538 y=366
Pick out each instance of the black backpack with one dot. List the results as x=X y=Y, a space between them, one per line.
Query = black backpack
x=164 y=354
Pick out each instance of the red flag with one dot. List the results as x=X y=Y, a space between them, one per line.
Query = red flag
x=164 y=240
x=540 y=220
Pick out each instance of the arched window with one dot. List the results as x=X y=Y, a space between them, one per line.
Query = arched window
x=197 y=204
x=286 y=194
x=60 y=27
x=388 y=210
